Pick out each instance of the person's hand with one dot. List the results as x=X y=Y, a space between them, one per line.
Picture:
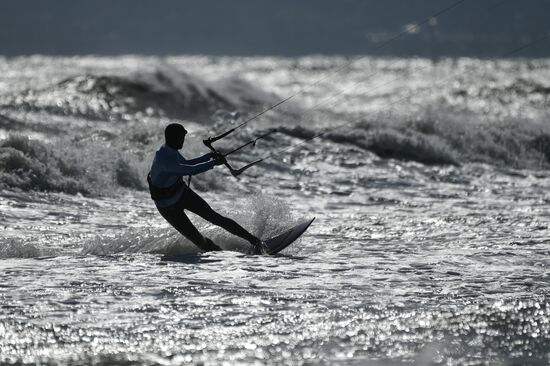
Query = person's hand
x=215 y=155
x=219 y=159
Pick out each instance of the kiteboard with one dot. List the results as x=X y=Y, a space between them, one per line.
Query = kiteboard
x=281 y=241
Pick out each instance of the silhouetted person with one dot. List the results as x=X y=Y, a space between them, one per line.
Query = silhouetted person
x=172 y=196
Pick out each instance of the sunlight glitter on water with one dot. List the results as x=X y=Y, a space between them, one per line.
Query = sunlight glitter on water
x=430 y=243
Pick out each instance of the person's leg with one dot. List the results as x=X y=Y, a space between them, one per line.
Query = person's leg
x=179 y=220
x=194 y=203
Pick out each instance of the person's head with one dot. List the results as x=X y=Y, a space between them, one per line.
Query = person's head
x=174 y=135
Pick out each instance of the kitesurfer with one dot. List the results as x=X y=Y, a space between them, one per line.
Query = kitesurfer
x=173 y=196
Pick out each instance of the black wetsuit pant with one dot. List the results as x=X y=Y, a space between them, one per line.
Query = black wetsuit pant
x=191 y=201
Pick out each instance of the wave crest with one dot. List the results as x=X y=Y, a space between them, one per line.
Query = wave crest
x=441 y=137
x=163 y=92
x=18 y=248
x=28 y=164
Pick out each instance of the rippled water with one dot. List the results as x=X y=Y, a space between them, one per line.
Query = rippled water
x=430 y=245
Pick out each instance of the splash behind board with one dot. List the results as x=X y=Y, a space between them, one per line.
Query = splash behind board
x=281 y=241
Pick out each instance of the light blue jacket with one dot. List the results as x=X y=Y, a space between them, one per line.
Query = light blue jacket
x=168 y=165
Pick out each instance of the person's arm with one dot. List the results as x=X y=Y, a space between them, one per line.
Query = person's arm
x=188 y=169
x=202 y=159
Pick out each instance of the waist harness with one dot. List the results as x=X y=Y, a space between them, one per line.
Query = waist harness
x=159 y=194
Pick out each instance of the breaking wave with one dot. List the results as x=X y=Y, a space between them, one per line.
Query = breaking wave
x=163 y=92
x=18 y=248
x=93 y=132
x=28 y=164
x=441 y=138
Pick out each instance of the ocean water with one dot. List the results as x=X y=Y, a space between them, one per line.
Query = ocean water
x=430 y=188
